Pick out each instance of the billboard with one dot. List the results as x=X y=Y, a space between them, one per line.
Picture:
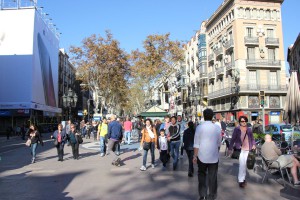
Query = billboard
x=28 y=61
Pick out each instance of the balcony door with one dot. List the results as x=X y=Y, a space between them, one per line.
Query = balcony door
x=252 y=80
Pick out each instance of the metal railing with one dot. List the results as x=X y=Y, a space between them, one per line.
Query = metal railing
x=220 y=70
x=272 y=41
x=230 y=66
x=211 y=57
x=251 y=40
x=219 y=51
x=211 y=74
x=221 y=92
x=263 y=62
x=228 y=44
x=256 y=87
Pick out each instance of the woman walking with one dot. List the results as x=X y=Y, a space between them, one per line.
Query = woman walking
x=188 y=145
x=148 y=142
x=74 y=141
x=35 y=137
x=59 y=141
x=243 y=140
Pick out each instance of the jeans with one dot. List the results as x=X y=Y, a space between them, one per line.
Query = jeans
x=243 y=165
x=127 y=136
x=152 y=147
x=190 y=154
x=211 y=171
x=60 y=151
x=75 y=150
x=102 y=144
x=175 y=145
x=33 y=150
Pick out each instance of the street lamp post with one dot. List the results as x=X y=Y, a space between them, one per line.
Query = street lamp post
x=198 y=98
x=70 y=100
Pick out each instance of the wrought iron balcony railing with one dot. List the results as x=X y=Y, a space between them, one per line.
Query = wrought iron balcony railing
x=251 y=40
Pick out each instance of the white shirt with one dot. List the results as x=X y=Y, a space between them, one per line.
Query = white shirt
x=163 y=143
x=208 y=140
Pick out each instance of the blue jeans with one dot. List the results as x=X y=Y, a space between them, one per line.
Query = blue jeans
x=102 y=144
x=127 y=136
x=152 y=147
x=175 y=145
x=33 y=150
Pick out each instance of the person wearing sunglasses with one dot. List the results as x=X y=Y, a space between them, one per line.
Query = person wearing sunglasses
x=243 y=140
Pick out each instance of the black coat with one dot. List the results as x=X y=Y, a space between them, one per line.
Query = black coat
x=188 y=138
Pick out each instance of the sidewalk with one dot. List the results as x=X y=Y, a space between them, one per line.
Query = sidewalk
x=93 y=177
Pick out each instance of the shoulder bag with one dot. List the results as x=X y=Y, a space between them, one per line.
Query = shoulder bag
x=236 y=152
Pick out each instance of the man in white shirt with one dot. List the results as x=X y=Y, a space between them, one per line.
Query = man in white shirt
x=206 y=153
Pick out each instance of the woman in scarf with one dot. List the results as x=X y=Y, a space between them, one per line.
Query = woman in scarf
x=35 y=137
x=74 y=141
x=60 y=136
x=148 y=141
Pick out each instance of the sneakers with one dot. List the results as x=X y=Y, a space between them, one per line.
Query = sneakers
x=153 y=166
x=143 y=168
x=297 y=183
x=101 y=154
x=32 y=160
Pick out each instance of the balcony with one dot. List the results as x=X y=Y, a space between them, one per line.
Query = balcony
x=220 y=71
x=257 y=87
x=211 y=75
x=203 y=75
x=219 y=52
x=263 y=63
x=274 y=42
x=211 y=57
x=251 y=40
x=202 y=58
x=220 y=93
x=228 y=45
x=193 y=70
x=230 y=66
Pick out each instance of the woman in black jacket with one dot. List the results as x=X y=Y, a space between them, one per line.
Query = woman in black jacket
x=188 y=145
x=35 y=137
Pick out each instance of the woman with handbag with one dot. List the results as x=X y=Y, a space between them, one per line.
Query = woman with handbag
x=243 y=140
x=148 y=142
x=60 y=138
x=34 y=137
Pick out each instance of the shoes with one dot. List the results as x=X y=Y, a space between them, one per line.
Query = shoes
x=32 y=161
x=242 y=184
x=101 y=154
x=190 y=174
x=202 y=198
x=143 y=168
x=297 y=183
x=153 y=166
x=245 y=182
x=181 y=156
x=174 y=167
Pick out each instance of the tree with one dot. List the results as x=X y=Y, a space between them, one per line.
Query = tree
x=104 y=68
x=155 y=62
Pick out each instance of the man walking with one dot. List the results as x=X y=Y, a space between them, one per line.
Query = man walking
x=206 y=154
x=174 y=139
x=182 y=125
x=114 y=136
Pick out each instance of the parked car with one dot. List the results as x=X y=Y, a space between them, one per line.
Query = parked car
x=278 y=130
x=230 y=127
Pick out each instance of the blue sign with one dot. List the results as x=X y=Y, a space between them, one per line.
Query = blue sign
x=5 y=113
x=274 y=113
x=254 y=114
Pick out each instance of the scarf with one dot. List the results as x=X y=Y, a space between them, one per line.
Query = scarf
x=151 y=134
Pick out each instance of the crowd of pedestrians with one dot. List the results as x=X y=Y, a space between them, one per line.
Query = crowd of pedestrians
x=200 y=140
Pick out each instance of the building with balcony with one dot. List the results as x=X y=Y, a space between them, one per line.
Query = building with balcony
x=245 y=47
x=294 y=57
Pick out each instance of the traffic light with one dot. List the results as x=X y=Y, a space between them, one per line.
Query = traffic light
x=262 y=98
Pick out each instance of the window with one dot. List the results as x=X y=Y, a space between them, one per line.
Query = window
x=273 y=80
x=252 y=79
x=248 y=13
x=254 y=13
x=270 y=33
x=249 y=32
x=251 y=53
x=268 y=14
x=271 y=54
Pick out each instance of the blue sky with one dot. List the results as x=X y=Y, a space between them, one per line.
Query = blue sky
x=130 y=21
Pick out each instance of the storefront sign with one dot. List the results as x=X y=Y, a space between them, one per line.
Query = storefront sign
x=275 y=113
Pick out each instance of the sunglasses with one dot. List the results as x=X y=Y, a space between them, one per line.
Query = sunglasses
x=242 y=121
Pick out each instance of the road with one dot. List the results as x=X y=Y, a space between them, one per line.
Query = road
x=94 y=178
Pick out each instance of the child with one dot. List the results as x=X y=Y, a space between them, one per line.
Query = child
x=163 y=147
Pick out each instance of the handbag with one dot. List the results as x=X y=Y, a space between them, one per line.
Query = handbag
x=79 y=139
x=236 y=152
x=55 y=142
x=251 y=159
x=146 y=145
x=28 y=142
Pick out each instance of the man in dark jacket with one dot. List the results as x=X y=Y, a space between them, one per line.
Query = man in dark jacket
x=174 y=139
x=114 y=136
